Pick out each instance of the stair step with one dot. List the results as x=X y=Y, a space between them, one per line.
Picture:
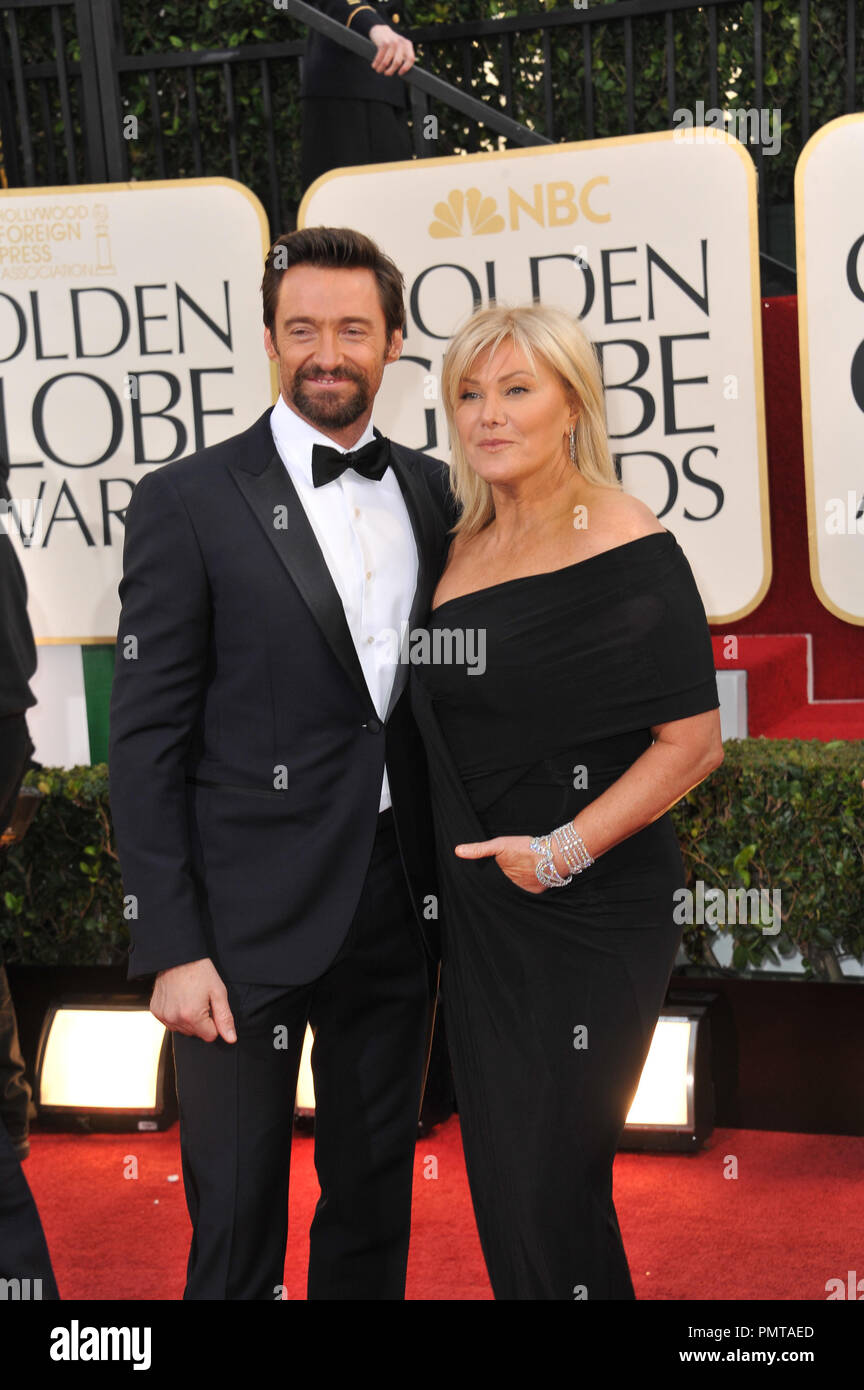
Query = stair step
x=779 y=686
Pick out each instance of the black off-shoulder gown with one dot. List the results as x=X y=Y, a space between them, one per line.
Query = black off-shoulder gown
x=580 y=663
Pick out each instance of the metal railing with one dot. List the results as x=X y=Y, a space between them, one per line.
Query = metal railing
x=422 y=84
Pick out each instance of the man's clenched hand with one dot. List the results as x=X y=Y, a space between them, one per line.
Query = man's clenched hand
x=192 y=999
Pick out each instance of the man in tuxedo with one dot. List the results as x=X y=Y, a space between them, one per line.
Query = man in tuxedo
x=17 y=669
x=354 y=111
x=269 y=792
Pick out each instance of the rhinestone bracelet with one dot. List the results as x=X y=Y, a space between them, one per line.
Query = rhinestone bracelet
x=545 y=869
x=573 y=848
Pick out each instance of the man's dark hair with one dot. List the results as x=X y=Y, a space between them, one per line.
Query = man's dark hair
x=339 y=247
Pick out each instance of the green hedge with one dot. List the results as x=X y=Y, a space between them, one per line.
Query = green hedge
x=62 y=898
x=778 y=813
x=782 y=813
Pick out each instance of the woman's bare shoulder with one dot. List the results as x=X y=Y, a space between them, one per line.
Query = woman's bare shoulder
x=621 y=516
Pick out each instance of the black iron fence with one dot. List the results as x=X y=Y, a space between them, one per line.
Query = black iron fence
x=78 y=105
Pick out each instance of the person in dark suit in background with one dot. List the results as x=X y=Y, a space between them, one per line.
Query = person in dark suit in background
x=23 y=1251
x=269 y=791
x=17 y=667
x=355 y=112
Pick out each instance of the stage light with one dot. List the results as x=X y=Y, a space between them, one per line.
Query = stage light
x=674 y=1103
x=304 y=1103
x=104 y=1061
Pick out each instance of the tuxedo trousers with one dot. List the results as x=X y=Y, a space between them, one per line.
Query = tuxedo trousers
x=370 y=1012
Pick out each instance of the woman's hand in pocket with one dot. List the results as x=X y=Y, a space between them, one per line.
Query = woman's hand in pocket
x=513 y=857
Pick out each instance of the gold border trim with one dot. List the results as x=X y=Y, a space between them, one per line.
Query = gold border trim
x=350 y=18
x=75 y=641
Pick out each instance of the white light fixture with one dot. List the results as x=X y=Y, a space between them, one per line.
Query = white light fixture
x=104 y=1057
x=674 y=1103
x=304 y=1103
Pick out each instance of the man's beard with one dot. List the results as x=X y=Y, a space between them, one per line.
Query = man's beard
x=327 y=409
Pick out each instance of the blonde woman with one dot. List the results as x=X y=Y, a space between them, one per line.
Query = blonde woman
x=554 y=762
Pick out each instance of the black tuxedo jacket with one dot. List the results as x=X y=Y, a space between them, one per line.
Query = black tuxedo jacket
x=17 y=647
x=245 y=754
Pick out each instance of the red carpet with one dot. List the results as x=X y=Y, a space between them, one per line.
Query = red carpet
x=791 y=1220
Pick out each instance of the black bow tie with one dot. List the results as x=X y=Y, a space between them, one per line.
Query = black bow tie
x=371 y=461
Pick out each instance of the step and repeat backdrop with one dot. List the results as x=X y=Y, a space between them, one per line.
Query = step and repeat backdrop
x=651 y=241
x=829 y=236
x=128 y=337
x=131 y=334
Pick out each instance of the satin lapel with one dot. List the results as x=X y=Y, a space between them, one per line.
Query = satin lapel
x=427 y=534
x=274 y=500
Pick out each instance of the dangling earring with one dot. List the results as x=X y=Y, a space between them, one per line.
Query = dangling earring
x=573 y=445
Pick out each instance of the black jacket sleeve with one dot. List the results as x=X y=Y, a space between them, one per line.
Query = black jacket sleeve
x=163 y=642
x=329 y=70
x=17 y=648
x=357 y=14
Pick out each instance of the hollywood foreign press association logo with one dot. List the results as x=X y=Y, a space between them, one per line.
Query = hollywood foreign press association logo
x=482 y=212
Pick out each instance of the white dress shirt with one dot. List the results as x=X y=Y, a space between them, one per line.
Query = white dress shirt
x=367 y=541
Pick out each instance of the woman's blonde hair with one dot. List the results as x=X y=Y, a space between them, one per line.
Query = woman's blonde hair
x=557 y=339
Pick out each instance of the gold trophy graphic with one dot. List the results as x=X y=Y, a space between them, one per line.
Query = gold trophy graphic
x=104 y=264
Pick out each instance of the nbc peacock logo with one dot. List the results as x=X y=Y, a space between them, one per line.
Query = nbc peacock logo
x=483 y=215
